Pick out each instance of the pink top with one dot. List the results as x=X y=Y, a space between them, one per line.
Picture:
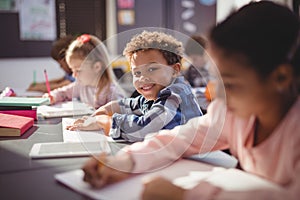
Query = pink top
x=86 y=94
x=276 y=159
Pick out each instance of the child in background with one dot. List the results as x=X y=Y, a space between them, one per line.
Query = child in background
x=95 y=82
x=58 y=52
x=197 y=73
x=256 y=50
x=166 y=100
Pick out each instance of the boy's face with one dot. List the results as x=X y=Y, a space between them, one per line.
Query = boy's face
x=151 y=73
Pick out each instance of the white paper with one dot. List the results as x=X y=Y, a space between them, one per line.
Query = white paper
x=82 y=136
x=71 y=108
x=183 y=173
x=129 y=189
x=234 y=179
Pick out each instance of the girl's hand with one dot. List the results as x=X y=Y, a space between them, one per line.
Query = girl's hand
x=52 y=100
x=159 y=188
x=105 y=170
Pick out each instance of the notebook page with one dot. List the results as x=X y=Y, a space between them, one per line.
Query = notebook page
x=129 y=189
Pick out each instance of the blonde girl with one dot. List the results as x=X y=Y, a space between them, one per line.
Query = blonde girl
x=95 y=81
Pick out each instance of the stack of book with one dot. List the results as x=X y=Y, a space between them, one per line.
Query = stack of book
x=14 y=125
x=22 y=106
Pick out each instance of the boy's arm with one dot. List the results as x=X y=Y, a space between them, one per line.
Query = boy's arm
x=108 y=109
x=135 y=126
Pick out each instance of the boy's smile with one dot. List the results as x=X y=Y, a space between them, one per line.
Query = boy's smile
x=151 y=73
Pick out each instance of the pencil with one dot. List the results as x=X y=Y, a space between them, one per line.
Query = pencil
x=34 y=77
x=47 y=82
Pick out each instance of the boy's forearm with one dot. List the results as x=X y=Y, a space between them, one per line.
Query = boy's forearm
x=104 y=122
x=108 y=109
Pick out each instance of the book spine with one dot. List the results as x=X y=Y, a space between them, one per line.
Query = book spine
x=26 y=127
x=24 y=113
x=16 y=108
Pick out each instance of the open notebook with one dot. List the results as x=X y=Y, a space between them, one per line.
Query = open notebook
x=82 y=136
x=70 y=108
x=184 y=173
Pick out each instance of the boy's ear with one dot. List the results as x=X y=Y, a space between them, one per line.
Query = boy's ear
x=283 y=77
x=177 y=68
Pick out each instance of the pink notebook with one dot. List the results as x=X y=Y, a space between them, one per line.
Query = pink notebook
x=24 y=113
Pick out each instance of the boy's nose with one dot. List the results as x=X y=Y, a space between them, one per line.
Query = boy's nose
x=144 y=78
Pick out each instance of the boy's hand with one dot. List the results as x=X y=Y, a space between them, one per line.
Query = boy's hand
x=159 y=188
x=104 y=170
x=104 y=121
x=85 y=123
x=92 y=123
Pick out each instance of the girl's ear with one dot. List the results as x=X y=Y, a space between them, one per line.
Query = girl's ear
x=97 y=66
x=283 y=77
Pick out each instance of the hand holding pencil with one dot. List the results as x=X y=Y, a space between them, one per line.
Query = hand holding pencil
x=48 y=95
x=104 y=170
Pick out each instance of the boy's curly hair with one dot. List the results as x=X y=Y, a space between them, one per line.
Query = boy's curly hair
x=171 y=48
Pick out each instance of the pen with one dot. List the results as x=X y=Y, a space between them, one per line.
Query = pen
x=47 y=82
x=34 y=77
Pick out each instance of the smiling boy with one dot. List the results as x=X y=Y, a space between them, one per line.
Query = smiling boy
x=166 y=99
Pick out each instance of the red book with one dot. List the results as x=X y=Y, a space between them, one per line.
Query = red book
x=14 y=125
x=24 y=113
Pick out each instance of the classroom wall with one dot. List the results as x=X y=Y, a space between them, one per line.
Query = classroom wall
x=18 y=73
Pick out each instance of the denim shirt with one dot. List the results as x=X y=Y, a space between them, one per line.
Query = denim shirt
x=174 y=106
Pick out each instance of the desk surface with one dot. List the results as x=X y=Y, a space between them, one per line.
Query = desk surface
x=34 y=178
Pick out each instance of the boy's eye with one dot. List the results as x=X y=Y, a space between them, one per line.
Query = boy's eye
x=137 y=73
x=151 y=69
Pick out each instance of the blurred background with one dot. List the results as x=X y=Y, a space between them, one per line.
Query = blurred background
x=28 y=28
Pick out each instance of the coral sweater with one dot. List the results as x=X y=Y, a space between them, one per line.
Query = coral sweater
x=276 y=159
